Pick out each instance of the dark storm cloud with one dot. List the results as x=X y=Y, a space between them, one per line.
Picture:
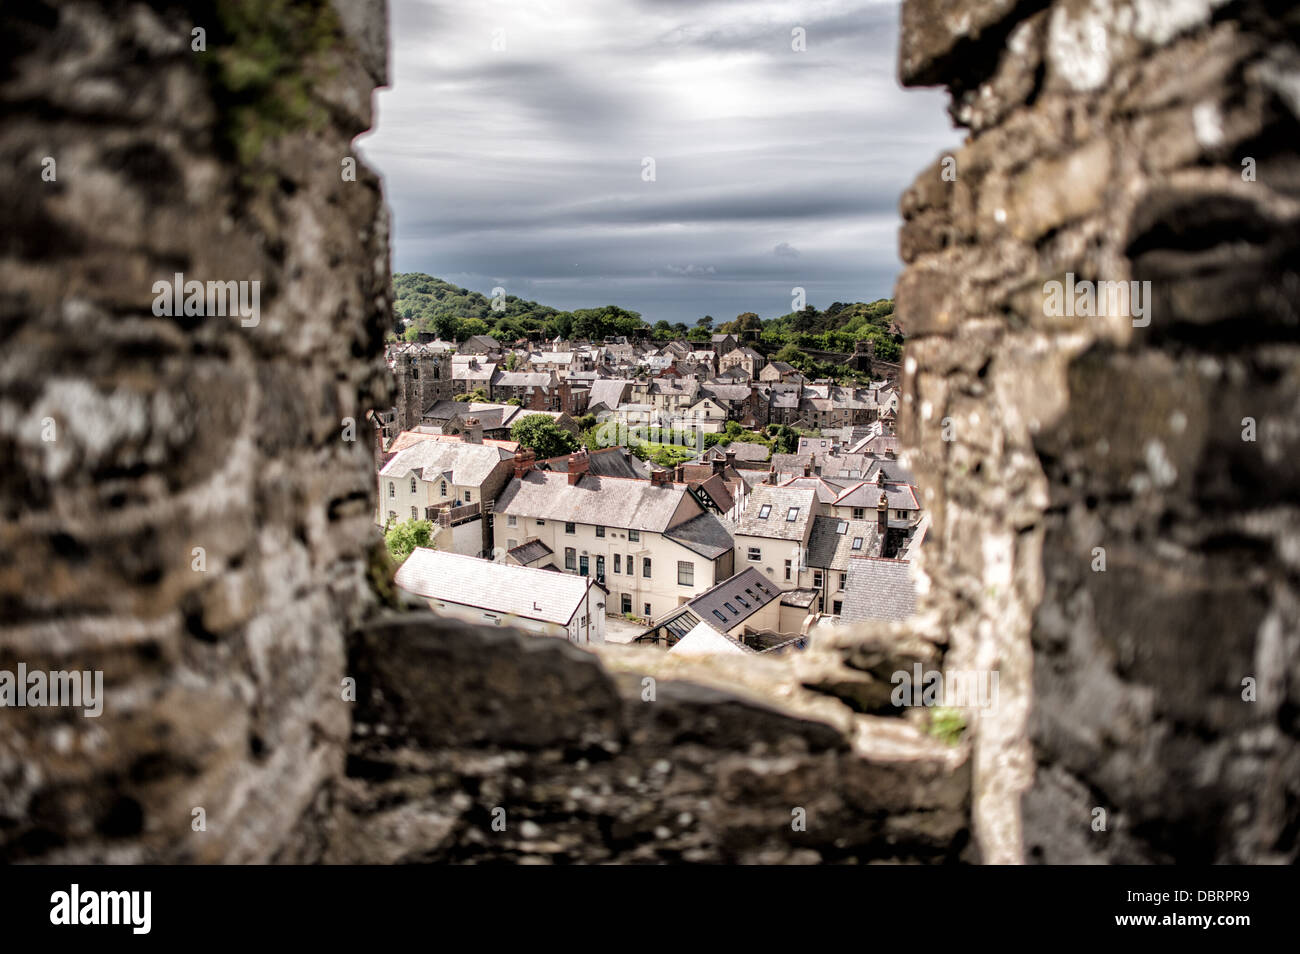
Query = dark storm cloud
x=523 y=166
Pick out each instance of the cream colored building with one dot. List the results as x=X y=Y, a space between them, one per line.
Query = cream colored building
x=539 y=602
x=650 y=543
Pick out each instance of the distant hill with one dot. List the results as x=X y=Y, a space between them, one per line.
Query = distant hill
x=434 y=306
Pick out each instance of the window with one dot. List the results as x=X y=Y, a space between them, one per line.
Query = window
x=788 y=567
x=570 y=529
x=512 y=521
x=618 y=563
x=755 y=554
x=857 y=543
x=647 y=610
x=392 y=490
x=627 y=603
x=570 y=558
x=763 y=511
x=731 y=609
x=817 y=579
x=742 y=601
x=413 y=487
x=584 y=566
x=511 y=544
x=792 y=515
x=685 y=573
x=842 y=527
x=600 y=569
x=443 y=492
x=645 y=567
x=415 y=513
x=719 y=616
x=467 y=496
x=859 y=513
x=541 y=523
x=634 y=536
x=836 y=607
x=600 y=531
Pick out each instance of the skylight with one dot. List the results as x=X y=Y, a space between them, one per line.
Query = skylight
x=792 y=515
x=857 y=543
x=842 y=527
x=763 y=511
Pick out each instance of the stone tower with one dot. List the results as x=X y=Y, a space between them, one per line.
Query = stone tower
x=423 y=379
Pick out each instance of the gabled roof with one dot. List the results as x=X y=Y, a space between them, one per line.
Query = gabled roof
x=468 y=465
x=704 y=640
x=776 y=524
x=704 y=534
x=528 y=592
x=831 y=543
x=595 y=501
x=878 y=589
x=898 y=496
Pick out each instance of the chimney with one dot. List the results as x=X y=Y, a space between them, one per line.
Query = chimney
x=807 y=467
x=660 y=478
x=679 y=474
x=882 y=515
x=579 y=465
x=719 y=464
x=473 y=431
x=731 y=459
x=771 y=474
x=524 y=461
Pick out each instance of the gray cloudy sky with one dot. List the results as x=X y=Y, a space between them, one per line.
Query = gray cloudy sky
x=522 y=167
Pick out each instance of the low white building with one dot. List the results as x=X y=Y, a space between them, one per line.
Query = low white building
x=539 y=602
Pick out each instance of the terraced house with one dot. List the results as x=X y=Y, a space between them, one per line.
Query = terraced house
x=649 y=542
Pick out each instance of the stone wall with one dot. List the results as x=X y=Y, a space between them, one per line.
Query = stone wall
x=184 y=507
x=1115 y=140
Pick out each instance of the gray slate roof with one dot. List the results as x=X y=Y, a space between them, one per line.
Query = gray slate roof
x=595 y=501
x=781 y=499
x=705 y=534
x=831 y=549
x=878 y=589
x=465 y=464
x=504 y=588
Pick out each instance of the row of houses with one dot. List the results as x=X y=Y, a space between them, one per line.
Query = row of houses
x=653 y=540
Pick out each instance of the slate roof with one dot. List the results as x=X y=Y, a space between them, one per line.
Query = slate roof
x=606 y=462
x=725 y=605
x=529 y=592
x=595 y=501
x=608 y=391
x=704 y=534
x=704 y=640
x=465 y=464
x=830 y=545
x=899 y=496
x=745 y=450
x=522 y=379
x=781 y=499
x=878 y=589
x=530 y=551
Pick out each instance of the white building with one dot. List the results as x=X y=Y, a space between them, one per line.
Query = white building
x=540 y=602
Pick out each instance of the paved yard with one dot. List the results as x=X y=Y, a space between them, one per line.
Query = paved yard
x=619 y=630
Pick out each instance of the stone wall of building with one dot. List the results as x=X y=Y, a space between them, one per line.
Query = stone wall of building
x=1115 y=140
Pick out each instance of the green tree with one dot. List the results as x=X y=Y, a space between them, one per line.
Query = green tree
x=402 y=538
x=543 y=436
x=477 y=396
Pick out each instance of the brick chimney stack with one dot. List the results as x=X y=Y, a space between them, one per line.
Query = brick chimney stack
x=579 y=465
x=731 y=459
x=660 y=478
x=719 y=464
x=882 y=514
x=524 y=461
